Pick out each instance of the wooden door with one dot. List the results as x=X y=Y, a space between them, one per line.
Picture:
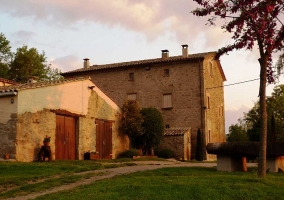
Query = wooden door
x=104 y=139
x=65 y=141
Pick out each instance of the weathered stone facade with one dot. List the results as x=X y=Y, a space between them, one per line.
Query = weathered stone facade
x=8 y=136
x=179 y=141
x=193 y=83
x=24 y=131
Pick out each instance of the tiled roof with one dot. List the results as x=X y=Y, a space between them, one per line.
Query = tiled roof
x=175 y=131
x=3 y=80
x=24 y=86
x=142 y=62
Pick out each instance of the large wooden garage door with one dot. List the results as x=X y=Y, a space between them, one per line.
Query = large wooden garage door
x=65 y=141
x=104 y=139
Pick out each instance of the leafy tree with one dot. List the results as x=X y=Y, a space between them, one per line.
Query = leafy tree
x=29 y=62
x=251 y=21
x=5 y=56
x=279 y=65
x=153 y=128
x=131 y=121
x=275 y=115
x=237 y=132
x=199 y=147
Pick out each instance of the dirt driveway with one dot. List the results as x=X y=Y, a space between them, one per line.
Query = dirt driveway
x=140 y=166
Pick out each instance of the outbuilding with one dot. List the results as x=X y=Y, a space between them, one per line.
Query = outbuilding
x=76 y=115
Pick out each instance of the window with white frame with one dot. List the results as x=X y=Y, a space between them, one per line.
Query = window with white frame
x=167 y=101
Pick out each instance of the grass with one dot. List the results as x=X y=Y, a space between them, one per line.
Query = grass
x=180 y=183
x=24 y=178
x=18 y=179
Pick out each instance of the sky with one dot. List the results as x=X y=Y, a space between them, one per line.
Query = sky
x=112 y=31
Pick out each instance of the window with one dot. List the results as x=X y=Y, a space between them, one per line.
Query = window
x=132 y=96
x=166 y=72
x=167 y=98
x=221 y=110
x=211 y=69
x=131 y=76
x=209 y=136
x=208 y=102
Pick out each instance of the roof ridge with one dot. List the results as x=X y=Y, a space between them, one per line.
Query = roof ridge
x=141 y=62
x=23 y=86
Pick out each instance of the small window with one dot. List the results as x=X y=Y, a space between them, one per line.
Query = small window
x=132 y=96
x=221 y=110
x=167 y=98
x=131 y=76
x=208 y=102
x=209 y=136
x=211 y=69
x=166 y=72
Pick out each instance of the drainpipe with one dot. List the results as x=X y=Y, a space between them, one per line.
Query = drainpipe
x=6 y=94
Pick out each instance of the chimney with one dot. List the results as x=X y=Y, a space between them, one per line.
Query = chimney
x=86 y=63
x=184 y=50
x=165 y=54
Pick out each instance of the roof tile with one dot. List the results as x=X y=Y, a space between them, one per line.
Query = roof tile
x=175 y=131
x=39 y=84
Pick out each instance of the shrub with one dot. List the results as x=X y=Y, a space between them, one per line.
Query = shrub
x=153 y=128
x=129 y=153
x=199 y=147
x=164 y=153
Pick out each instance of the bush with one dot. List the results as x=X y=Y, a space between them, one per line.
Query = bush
x=199 y=147
x=164 y=153
x=129 y=153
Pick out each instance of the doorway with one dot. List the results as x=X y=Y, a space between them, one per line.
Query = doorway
x=65 y=141
x=104 y=138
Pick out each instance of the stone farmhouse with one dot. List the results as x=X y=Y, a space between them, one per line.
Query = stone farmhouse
x=75 y=113
x=187 y=89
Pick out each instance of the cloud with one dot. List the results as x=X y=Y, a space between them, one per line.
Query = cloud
x=23 y=37
x=232 y=115
x=152 y=18
x=66 y=63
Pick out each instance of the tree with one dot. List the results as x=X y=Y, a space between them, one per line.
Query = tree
x=131 y=121
x=199 y=147
x=153 y=128
x=279 y=65
x=5 y=56
x=251 y=21
x=237 y=132
x=29 y=62
x=275 y=115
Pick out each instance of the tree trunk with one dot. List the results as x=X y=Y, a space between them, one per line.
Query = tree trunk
x=263 y=119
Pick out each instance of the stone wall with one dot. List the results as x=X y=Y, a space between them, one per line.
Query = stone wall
x=8 y=137
x=98 y=108
x=215 y=112
x=176 y=144
x=179 y=143
x=32 y=128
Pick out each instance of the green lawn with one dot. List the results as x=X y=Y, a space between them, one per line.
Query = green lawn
x=181 y=183
x=167 y=183
x=23 y=178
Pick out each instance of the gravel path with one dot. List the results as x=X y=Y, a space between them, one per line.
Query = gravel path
x=141 y=166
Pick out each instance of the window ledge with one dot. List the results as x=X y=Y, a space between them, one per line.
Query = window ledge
x=167 y=108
